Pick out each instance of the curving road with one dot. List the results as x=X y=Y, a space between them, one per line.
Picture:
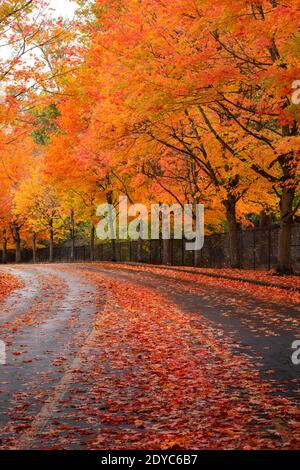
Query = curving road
x=49 y=327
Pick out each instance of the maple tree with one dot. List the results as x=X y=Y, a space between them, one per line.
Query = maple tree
x=193 y=105
x=206 y=64
x=164 y=102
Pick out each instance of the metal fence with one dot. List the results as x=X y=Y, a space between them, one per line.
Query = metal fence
x=258 y=248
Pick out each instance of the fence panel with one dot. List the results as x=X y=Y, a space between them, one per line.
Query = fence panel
x=258 y=248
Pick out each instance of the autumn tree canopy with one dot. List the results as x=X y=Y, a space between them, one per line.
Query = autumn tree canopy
x=180 y=101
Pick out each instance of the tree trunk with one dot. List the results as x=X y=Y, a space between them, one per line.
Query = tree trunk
x=109 y=199
x=34 y=247
x=166 y=252
x=265 y=223
x=72 y=231
x=285 y=232
x=140 y=244
x=114 y=250
x=51 y=244
x=233 y=227
x=196 y=253
x=197 y=256
x=4 y=247
x=15 y=230
x=92 y=243
x=140 y=250
x=18 y=250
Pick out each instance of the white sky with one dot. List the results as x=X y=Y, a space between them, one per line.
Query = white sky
x=64 y=8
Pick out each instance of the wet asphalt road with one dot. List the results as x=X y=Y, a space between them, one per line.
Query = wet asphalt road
x=263 y=330
x=45 y=323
